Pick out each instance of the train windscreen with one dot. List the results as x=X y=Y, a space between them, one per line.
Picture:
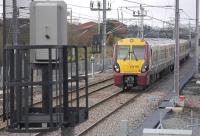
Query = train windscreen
x=138 y=52
x=123 y=52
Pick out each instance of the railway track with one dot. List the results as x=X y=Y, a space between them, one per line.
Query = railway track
x=100 y=86
x=112 y=95
x=91 y=91
x=109 y=114
x=133 y=98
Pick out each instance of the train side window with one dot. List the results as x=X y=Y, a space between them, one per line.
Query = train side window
x=162 y=54
x=159 y=56
x=171 y=52
x=156 y=57
x=152 y=57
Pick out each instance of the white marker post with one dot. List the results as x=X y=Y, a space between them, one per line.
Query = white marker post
x=92 y=61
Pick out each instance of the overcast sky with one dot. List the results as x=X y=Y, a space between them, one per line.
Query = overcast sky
x=188 y=7
x=82 y=12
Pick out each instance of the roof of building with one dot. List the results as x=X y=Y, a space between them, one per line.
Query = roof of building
x=87 y=25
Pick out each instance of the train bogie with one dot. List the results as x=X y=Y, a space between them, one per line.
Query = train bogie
x=131 y=80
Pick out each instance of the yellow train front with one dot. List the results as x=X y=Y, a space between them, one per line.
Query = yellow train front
x=131 y=63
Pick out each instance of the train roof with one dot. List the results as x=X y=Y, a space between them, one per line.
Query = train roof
x=161 y=41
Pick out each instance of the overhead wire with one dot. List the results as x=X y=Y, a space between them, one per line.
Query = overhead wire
x=155 y=18
x=148 y=5
x=84 y=15
x=85 y=18
x=126 y=7
x=156 y=6
x=79 y=6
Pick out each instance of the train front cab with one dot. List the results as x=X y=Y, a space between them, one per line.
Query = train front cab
x=131 y=63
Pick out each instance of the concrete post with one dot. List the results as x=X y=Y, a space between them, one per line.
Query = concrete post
x=176 y=71
x=124 y=128
x=197 y=38
x=104 y=34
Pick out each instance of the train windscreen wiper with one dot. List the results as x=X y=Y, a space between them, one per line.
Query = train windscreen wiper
x=135 y=55
x=126 y=56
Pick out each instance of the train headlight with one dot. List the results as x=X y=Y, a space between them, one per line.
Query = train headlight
x=116 y=67
x=144 y=68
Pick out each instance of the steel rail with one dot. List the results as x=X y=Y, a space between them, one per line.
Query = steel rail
x=104 y=100
x=111 y=113
x=97 y=90
x=90 y=85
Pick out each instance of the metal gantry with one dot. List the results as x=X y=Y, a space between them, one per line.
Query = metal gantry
x=59 y=79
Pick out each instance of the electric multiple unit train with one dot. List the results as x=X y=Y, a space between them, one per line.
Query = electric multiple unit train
x=139 y=62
